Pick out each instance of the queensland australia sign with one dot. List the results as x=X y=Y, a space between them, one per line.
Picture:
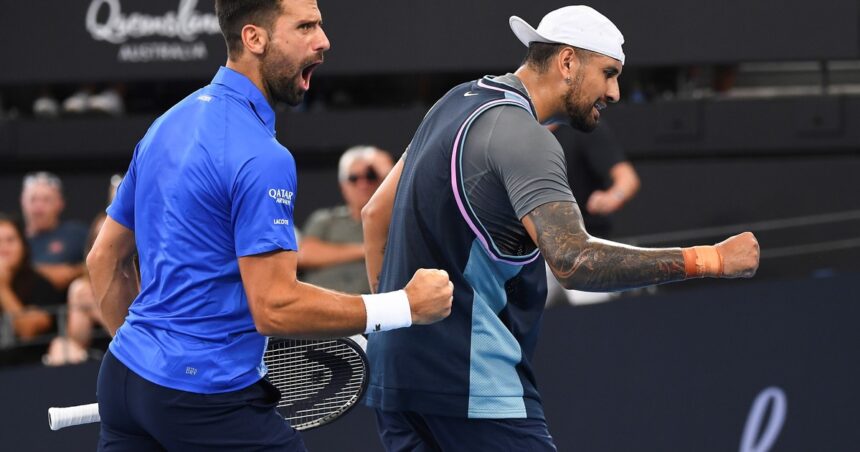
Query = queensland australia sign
x=180 y=33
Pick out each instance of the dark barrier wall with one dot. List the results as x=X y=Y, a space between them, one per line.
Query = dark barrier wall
x=677 y=128
x=696 y=369
x=715 y=192
x=86 y=40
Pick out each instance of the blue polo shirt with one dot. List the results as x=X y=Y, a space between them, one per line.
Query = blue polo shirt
x=208 y=183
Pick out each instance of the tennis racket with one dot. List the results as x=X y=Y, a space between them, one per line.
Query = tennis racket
x=319 y=380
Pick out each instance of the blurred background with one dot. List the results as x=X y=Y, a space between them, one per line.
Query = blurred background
x=736 y=115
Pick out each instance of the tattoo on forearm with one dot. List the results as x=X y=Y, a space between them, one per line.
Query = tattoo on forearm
x=375 y=286
x=588 y=263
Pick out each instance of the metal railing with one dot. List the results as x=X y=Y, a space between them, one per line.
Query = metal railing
x=763 y=226
x=10 y=341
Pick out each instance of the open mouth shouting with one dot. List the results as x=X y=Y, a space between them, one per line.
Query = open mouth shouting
x=597 y=107
x=307 y=71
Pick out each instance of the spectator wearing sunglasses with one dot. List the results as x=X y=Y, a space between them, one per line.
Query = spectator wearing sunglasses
x=331 y=251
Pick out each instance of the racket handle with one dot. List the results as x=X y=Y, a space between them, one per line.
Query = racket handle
x=73 y=415
x=361 y=341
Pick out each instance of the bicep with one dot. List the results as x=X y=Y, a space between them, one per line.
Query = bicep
x=556 y=228
x=266 y=273
x=116 y=239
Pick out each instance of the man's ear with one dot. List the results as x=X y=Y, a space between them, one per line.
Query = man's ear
x=255 y=39
x=567 y=62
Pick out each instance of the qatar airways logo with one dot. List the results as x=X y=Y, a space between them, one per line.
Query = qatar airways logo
x=281 y=196
x=186 y=23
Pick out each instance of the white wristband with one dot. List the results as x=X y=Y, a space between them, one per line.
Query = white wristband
x=387 y=311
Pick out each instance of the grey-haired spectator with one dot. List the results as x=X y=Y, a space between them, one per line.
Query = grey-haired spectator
x=57 y=246
x=331 y=251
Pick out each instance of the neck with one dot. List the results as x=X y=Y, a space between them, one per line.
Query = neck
x=542 y=91
x=251 y=70
x=33 y=231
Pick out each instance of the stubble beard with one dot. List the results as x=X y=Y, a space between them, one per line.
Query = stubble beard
x=579 y=109
x=280 y=78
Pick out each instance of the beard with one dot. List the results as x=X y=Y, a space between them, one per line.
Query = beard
x=282 y=77
x=578 y=108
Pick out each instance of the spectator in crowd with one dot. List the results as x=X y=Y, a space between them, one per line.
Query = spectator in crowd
x=602 y=181
x=23 y=292
x=331 y=252
x=57 y=246
x=84 y=313
x=601 y=177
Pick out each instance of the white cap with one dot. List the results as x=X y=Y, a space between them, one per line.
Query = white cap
x=578 y=26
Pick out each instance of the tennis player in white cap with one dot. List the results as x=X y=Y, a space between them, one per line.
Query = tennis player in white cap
x=482 y=192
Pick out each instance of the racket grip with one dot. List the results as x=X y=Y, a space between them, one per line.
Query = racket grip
x=361 y=341
x=74 y=415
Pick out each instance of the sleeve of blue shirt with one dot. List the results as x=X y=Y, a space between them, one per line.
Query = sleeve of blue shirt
x=121 y=209
x=263 y=199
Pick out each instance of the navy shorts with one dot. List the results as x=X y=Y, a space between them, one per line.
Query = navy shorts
x=138 y=415
x=408 y=431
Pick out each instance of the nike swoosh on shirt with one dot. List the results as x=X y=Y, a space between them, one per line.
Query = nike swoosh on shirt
x=470 y=94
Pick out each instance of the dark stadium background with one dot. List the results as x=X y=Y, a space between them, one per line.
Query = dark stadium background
x=678 y=368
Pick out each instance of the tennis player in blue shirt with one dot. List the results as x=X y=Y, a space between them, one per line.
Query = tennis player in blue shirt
x=208 y=201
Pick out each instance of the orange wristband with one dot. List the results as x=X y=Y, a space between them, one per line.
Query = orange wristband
x=701 y=261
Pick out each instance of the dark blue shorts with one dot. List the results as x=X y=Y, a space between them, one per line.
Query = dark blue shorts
x=138 y=415
x=408 y=431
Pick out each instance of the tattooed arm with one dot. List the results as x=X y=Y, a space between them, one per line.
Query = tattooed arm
x=375 y=217
x=580 y=261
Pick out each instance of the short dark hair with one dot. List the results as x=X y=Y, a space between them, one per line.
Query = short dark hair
x=233 y=15
x=540 y=54
x=25 y=276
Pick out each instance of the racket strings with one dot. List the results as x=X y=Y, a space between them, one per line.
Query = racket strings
x=317 y=379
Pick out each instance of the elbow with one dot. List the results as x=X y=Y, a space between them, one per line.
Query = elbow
x=369 y=212
x=264 y=329
x=632 y=180
x=635 y=184
x=261 y=314
x=263 y=325
x=272 y=317
x=573 y=277
x=571 y=283
x=94 y=258
x=578 y=283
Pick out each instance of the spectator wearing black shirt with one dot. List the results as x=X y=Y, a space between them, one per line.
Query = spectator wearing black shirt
x=602 y=181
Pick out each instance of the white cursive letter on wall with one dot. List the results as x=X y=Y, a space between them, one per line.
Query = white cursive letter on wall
x=774 y=397
x=186 y=23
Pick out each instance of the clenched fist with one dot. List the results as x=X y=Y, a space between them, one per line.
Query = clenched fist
x=430 y=294
x=740 y=255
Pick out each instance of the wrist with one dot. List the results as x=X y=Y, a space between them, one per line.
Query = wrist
x=618 y=194
x=702 y=261
x=387 y=311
